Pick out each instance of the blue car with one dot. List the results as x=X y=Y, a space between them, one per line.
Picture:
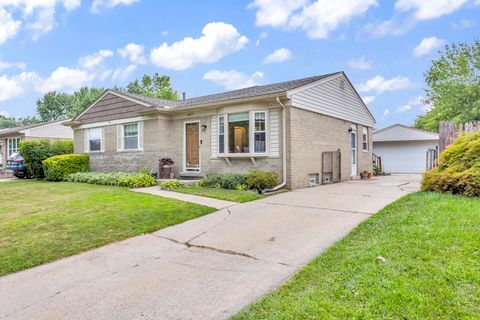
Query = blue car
x=16 y=164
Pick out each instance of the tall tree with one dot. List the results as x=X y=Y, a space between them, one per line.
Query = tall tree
x=156 y=86
x=57 y=106
x=453 y=86
x=7 y=122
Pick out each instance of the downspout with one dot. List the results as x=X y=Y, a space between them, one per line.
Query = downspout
x=284 y=150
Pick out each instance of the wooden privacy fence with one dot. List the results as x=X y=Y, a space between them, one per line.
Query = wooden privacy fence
x=449 y=131
x=432 y=158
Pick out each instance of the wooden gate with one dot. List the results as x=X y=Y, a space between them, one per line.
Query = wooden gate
x=432 y=158
x=331 y=169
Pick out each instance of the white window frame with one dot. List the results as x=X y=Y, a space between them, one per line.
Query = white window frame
x=365 y=140
x=101 y=140
x=251 y=135
x=11 y=151
x=222 y=135
x=123 y=136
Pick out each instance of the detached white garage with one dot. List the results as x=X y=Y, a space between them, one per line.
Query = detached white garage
x=402 y=148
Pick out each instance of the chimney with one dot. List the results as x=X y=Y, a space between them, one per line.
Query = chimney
x=184 y=95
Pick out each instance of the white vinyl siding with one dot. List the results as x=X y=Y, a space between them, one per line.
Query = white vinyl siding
x=403 y=133
x=50 y=130
x=274 y=132
x=214 y=138
x=328 y=98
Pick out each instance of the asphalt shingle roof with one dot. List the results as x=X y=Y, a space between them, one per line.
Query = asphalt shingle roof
x=8 y=131
x=230 y=95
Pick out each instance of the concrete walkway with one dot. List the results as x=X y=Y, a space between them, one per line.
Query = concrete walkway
x=205 y=201
x=207 y=268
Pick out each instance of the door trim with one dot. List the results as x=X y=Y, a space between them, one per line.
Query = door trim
x=354 y=167
x=184 y=164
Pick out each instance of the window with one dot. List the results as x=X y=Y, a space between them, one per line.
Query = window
x=221 y=134
x=95 y=139
x=260 y=132
x=13 y=145
x=365 y=139
x=238 y=132
x=130 y=136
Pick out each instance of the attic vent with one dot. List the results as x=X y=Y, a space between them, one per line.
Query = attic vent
x=342 y=84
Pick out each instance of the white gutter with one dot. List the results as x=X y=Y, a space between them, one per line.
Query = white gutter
x=284 y=149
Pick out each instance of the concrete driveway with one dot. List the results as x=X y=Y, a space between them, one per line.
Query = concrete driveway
x=207 y=268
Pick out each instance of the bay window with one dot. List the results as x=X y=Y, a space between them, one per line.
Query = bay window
x=242 y=133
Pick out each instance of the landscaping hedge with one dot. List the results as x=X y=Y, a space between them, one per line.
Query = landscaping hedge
x=57 y=168
x=254 y=180
x=260 y=180
x=36 y=151
x=459 y=168
x=123 y=179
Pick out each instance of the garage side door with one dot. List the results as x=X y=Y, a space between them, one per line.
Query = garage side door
x=404 y=156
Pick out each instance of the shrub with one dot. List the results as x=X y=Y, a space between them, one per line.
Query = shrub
x=137 y=181
x=34 y=152
x=259 y=179
x=101 y=178
x=232 y=180
x=459 y=168
x=212 y=180
x=56 y=168
x=171 y=185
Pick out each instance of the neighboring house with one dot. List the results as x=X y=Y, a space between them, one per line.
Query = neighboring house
x=403 y=149
x=10 y=137
x=283 y=127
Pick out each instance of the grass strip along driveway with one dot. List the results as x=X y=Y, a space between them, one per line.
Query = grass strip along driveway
x=42 y=221
x=222 y=194
x=429 y=268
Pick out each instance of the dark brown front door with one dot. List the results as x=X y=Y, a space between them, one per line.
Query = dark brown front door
x=192 y=146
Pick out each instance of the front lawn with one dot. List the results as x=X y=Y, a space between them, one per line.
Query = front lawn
x=42 y=221
x=431 y=246
x=222 y=194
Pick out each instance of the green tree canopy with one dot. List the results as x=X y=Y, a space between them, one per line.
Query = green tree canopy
x=59 y=105
x=453 y=86
x=156 y=86
x=8 y=122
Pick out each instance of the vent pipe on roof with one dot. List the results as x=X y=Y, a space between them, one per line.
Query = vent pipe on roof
x=184 y=96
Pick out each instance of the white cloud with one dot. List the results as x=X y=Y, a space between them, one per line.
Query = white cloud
x=165 y=33
x=420 y=101
x=95 y=59
x=386 y=112
x=4 y=113
x=403 y=108
x=98 y=5
x=68 y=79
x=278 y=55
x=9 y=65
x=427 y=45
x=133 y=52
x=122 y=74
x=392 y=27
x=9 y=88
x=379 y=84
x=234 y=79
x=360 y=64
x=217 y=41
x=9 y=27
x=429 y=9
x=37 y=15
x=368 y=99
x=463 y=24
x=317 y=18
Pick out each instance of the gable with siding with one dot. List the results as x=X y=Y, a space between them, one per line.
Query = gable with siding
x=110 y=107
x=333 y=97
x=400 y=132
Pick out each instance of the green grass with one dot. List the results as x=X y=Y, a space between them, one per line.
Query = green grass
x=222 y=194
x=41 y=221
x=431 y=243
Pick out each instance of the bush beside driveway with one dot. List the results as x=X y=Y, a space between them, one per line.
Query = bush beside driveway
x=43 y=221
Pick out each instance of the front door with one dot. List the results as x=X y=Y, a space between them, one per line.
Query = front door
x=353 y=136
x=192 y=147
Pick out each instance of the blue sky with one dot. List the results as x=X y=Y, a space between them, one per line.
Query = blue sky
x=211 y=46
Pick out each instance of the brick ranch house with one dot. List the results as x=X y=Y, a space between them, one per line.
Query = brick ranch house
x=285 y=127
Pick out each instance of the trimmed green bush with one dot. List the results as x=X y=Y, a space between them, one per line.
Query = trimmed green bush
x=34 y=152
x=212 y=180
x=260 y=180
x=137 y=181
x=56 y=168
x=459 y=168
x=171 y=185
x=229 y=181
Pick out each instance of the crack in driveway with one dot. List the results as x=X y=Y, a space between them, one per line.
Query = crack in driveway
x=318 y=208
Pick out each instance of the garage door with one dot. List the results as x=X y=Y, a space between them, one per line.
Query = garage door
x=403 y=156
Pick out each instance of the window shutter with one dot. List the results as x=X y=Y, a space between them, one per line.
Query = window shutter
x=214 y=139
x=85 y=140
x=140 y=135
x=274 y=133
x=119 y=137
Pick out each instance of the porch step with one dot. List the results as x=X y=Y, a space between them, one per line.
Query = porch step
x=190 y=176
